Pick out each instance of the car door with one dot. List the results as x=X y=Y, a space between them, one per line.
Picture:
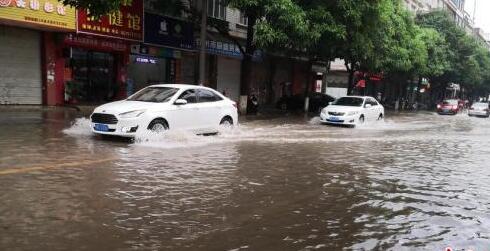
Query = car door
x=373 y=110
x=186 y=117
x=209 y=107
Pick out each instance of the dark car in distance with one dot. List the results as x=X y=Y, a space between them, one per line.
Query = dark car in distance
x=318 y=101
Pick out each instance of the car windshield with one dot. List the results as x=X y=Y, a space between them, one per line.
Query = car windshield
x=450 y=102
x=154 y=94
x=349 y=101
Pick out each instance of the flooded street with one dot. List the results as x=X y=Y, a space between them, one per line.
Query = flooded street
x=412 y=182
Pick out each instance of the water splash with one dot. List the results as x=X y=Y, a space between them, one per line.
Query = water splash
x=81 y=127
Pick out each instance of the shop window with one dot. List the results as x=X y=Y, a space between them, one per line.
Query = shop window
x=94 y=77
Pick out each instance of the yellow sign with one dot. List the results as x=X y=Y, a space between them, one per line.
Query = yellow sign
x=42 y=13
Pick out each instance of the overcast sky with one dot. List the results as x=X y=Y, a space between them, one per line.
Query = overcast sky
x=482 y=14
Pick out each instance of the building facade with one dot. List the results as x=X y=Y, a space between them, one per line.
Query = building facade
x=29 y=62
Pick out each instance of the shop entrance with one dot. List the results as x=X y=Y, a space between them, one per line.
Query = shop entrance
x=94 y=77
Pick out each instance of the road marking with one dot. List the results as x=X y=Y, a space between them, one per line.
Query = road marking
x=53 y=166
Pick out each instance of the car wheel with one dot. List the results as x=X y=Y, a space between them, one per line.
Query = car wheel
x=158 y=125
x=226 y=122
x=361 y=119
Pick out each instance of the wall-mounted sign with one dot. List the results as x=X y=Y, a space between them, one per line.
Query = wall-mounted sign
x=155 y=51
x=145 y=60
x=169 y=32
x=228 y=49
x=38 y=13
x=125 y=23
x=91 y=42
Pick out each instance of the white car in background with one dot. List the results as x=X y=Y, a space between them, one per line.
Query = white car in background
x=165 y=107
x=479 y=109
x=352 y=110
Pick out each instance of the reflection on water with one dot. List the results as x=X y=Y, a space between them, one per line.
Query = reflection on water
x=411 y=182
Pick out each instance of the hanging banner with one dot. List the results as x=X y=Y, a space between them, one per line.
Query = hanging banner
x=38 y=13
x=125 y=23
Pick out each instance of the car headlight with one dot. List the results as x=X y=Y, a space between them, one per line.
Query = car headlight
x=131 y=114
x=352 y=113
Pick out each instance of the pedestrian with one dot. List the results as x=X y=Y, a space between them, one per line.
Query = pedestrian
x=252 y=105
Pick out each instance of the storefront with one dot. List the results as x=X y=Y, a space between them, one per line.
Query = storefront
x=166 y=56
x=28 y=60
x=152 y=65
x=20 y=67
x=224 y=66
x=96 y=59
x=94 y=69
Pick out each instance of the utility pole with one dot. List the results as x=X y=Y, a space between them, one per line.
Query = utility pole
x=202 y=38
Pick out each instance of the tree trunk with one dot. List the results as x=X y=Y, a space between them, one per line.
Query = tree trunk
x=246 y=69
x=419 y=85
x=350 y=84
x=271 y=84
x=202 y=38
x=324 y=80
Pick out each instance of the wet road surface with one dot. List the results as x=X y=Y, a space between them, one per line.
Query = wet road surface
x=413 y=182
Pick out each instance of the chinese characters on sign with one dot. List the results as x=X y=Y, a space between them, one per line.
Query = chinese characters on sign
x=44 y=12
x=228 y=49
x=95 y=43
x=125 y=23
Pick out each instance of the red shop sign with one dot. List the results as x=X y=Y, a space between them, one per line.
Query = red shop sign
x=125 y=23
x=95 y=43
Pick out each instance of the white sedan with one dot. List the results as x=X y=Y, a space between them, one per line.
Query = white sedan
x=352 y=110
x=479 y=109
x=165 y=107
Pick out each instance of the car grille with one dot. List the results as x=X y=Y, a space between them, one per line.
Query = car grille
x=104 y=118
x=336 y=113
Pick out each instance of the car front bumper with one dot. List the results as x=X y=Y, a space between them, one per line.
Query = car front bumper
x=338 y=120
x=447 y=111
x=478 y=113
x=123 y=128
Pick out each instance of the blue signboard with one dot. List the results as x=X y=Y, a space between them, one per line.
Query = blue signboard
x=169 y=32
x=228 y=49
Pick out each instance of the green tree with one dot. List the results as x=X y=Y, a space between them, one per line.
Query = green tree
x=97 y=7
x=464 y=62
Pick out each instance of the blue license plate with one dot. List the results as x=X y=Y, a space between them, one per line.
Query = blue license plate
x=334 y=119
x=101 y=127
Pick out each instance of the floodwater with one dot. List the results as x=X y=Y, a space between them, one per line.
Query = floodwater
x=414 y=182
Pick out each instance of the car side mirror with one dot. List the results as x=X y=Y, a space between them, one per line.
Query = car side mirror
x=368 y=106
x=180 y=102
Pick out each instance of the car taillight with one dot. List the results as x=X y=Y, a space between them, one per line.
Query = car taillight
x=471 y=108
x=455 y=107
x=438 y=106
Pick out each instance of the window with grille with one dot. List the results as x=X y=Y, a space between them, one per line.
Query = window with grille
x=243 y=19
x=217 y=9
